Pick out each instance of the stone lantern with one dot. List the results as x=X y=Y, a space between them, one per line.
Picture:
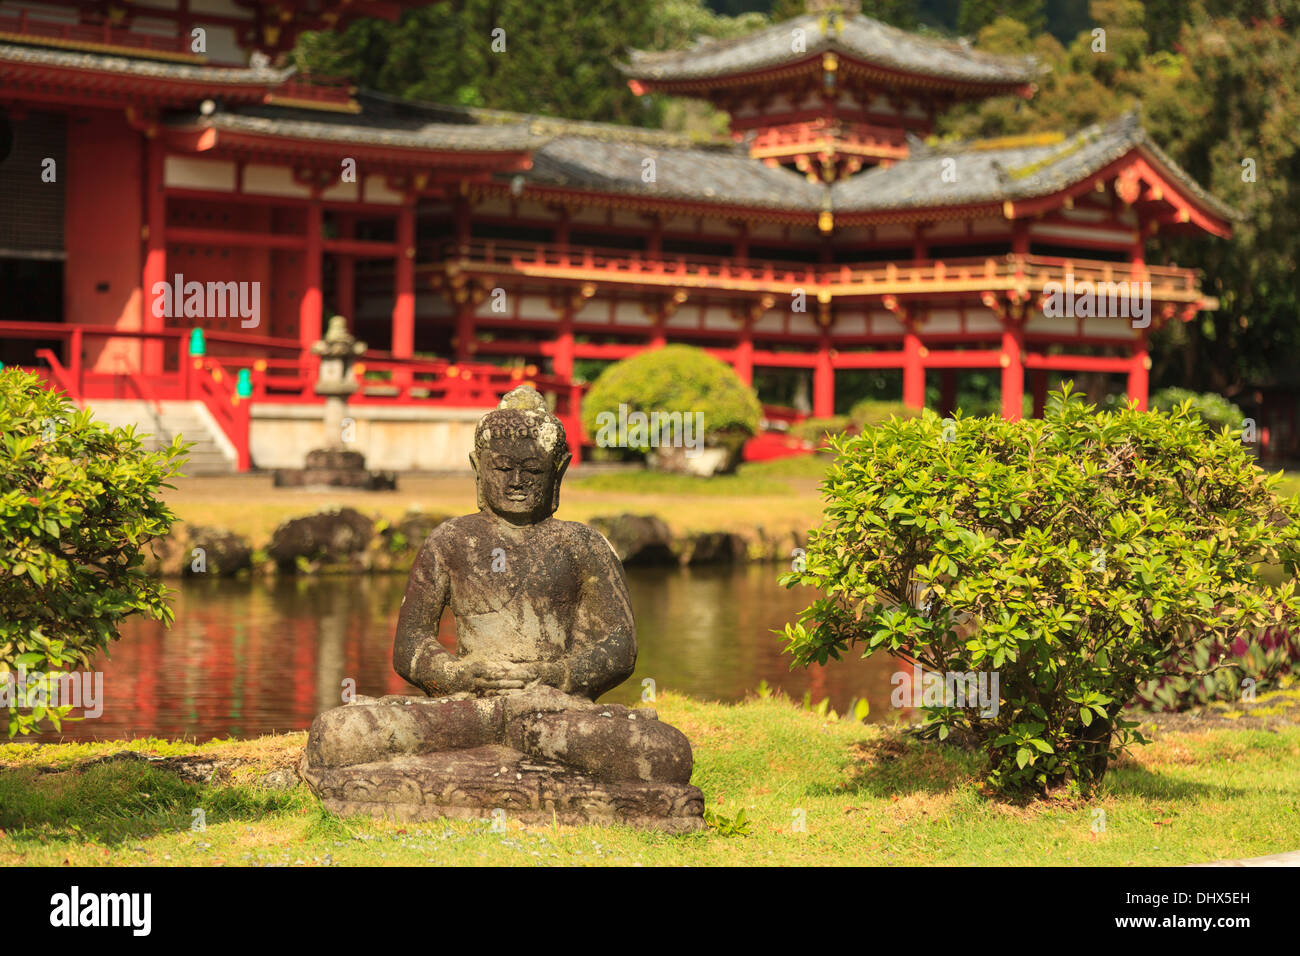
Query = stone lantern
x=334 y=465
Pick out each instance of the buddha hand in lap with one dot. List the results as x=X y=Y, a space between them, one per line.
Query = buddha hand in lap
x=544 y=626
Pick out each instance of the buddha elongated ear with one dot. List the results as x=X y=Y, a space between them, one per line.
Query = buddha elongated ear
x=478 y=479
x=561 y=466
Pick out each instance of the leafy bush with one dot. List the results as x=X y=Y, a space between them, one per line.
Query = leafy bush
x=1073 y=555
x=871 y=411
x=816 y=430
x=675 y=379
x=1216 y=410
x=78 y=502
x=1215 y=671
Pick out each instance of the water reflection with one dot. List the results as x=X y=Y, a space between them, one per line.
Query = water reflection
x=250 y=657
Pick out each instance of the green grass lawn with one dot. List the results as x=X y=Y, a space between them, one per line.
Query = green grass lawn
x=1290 y=484
x=781 y=495
x=869 y=794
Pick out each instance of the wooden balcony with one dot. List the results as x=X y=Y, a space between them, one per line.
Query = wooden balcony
x=842 y=139
x=1026 y=275
x=95 y=38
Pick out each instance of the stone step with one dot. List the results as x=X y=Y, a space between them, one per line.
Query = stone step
x=156 y=425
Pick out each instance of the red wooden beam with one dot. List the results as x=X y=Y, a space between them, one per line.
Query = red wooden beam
x=1079 y=363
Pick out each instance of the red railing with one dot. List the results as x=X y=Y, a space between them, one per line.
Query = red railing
x=213 y=385
x=621 y=265
x=805 y=136
x=385 y=380
x=83 y=34
x=543 y=260
x=213 y=379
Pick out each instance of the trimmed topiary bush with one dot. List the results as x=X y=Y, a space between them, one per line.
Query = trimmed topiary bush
x=871 y=411
x=817 y=430
x=1073 y=556
x=677 y=383
x=78 y=503
x=1216 y=410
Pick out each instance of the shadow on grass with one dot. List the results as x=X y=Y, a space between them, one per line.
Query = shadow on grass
x=117 y=801
x=894 y=766
x=897 y=766
x=1130 y=779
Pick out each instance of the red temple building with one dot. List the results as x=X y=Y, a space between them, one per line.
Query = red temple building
x=473 y=249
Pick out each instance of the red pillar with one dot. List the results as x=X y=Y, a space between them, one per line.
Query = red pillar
x=742 y=245
x=155 y=255
x=823 y=380
x=1038 y=385
x=913 y=368
x=743 y=360
x=658 y=338
x=461 y=215
x=464 y=310
x=309 y=308
x=1138 y=251
x=345 y=286
x=948 y=391
x=1020 y=241
x=562 y=357
x=1139 y=375
x=404 y=290
x=464 y=332
x=1013 y=372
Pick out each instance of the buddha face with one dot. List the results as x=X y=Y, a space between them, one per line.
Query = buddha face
x=517 y=479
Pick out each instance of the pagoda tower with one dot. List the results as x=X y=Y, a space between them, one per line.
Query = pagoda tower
x=832 y=91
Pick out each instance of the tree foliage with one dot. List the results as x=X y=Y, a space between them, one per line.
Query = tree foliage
x=556 y=58
x=1073 y=555
x=78 y=502
x=1218 y=85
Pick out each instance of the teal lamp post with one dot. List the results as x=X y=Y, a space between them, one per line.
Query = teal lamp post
x=197 y=345
x=244 y=384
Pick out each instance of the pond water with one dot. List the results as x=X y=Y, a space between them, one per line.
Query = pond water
x=246 y=658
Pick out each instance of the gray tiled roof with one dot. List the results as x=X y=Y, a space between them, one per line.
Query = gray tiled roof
x=367 y=129
x=729 y=175
x=390 y=121
x=373 y=103
x=697 y=174
x=139 y=66
x=859 y=37
x=983 y=175
x=607 y=158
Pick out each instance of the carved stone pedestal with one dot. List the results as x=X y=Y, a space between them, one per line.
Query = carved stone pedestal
x=470 y=784
x=420 y=758
x=335 y=468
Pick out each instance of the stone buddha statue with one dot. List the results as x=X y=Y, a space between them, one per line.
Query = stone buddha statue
x=543 y=628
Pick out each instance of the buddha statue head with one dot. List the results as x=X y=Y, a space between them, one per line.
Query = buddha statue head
x=520 y=454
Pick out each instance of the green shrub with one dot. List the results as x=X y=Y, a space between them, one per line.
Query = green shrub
x=816 y=430
x=1216 y=410
x=78 y=502
x=675 y=379
x=871 y=411
x=1073 y=555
